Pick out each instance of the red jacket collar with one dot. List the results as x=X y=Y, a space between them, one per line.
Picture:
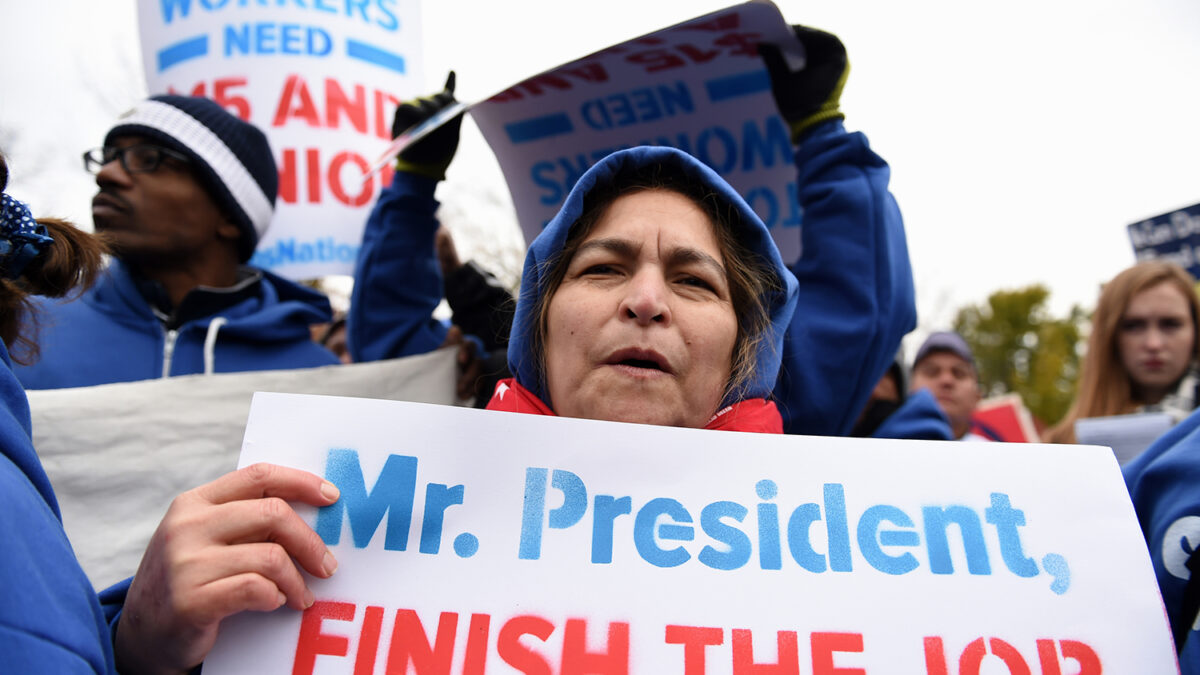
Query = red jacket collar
x=755 y=415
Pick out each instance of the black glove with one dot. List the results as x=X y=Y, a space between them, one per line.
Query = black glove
x=811 y=95
x=432 y=154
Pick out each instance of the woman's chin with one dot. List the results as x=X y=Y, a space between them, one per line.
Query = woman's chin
x=649 y=413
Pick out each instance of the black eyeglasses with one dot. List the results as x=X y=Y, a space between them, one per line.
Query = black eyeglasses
x=140 y=158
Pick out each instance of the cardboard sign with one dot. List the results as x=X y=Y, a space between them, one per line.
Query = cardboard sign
x=322 y=80
x=1006 y=418
x=1173 y=236
x=699 y=86
x=472 y=541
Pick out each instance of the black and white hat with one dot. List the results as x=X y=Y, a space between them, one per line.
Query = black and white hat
x=233 y=158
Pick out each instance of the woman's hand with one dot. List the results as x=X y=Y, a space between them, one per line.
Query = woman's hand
x=225 y=547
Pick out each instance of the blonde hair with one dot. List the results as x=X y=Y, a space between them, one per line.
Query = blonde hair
x=1104 y=386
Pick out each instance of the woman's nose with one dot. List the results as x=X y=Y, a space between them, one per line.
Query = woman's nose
x=645 y=299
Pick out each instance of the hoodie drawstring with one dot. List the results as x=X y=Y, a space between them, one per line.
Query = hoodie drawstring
x=210 y=343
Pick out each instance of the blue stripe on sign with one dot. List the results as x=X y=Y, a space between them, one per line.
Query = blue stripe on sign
x=372 y=54
x=733 y=86
x=537 y=128
x=182 y=51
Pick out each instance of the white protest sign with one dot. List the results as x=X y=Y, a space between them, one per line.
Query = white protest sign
x=117 y=454
x=699 y=86
x=473 y=541
x=321 y=79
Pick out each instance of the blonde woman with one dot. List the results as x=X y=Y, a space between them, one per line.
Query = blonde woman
x=1143 y=349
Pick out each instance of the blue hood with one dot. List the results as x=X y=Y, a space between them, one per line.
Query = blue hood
x=919 y=418
x=753 y=234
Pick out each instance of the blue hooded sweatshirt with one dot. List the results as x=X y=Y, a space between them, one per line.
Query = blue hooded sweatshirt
x=1164 y=483
x=50 y=618
x=751 y=232
x=111 y=334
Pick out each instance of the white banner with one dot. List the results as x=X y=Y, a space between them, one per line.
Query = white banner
x=117 y=454
x=699 y=86
x=473 y=541
x=321 y=79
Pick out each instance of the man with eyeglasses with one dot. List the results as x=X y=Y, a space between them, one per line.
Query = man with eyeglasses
x=185 y=191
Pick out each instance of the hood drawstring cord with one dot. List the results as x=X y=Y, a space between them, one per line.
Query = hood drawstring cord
x=210 y=343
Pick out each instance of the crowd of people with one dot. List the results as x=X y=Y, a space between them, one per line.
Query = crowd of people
x=655 y=296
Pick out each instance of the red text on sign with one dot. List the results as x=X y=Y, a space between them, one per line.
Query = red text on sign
x=367 y=114
x=824 y=647
x=970 y=661
x=414 y=648
x=304 y=174
x=223 y=92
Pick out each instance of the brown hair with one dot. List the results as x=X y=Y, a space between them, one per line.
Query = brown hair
x=751 y=278
x=1104 y=386
x=71 y=261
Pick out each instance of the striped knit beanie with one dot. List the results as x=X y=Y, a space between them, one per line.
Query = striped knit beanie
x=232 y=158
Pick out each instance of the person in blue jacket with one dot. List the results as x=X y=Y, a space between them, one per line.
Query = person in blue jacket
x=856 y=299
x=216 y=553
x=1164 y=483
x=186 y=190
x=50 y=618
x=893 y=412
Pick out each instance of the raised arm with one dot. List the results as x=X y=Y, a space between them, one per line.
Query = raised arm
x=397 y=281
x=856 y=290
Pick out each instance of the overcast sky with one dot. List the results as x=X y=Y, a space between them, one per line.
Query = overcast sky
x=1023 y=136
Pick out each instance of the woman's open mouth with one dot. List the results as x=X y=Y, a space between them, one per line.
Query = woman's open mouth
x=639 y=361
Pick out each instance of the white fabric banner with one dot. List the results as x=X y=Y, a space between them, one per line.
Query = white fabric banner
x=117 y=454
x=472 y=541
x=699 y=86
x=321 y=79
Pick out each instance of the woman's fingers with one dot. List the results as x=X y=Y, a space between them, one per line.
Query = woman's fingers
x=258 y=577
x=269 y=480
x=269 y=519
x=227 y=546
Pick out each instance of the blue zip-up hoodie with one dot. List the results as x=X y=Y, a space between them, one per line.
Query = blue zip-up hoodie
x=1164 y=483
x=111 y=334
x=753 y=234
x=50 y=618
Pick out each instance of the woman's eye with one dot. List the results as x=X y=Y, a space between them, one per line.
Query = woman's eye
x=696 y=282
x=1132 y=326
x=599 y=269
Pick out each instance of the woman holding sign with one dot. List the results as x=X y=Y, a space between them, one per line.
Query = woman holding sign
x=656 y=296
x=225 y=547
x=1143 y=349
